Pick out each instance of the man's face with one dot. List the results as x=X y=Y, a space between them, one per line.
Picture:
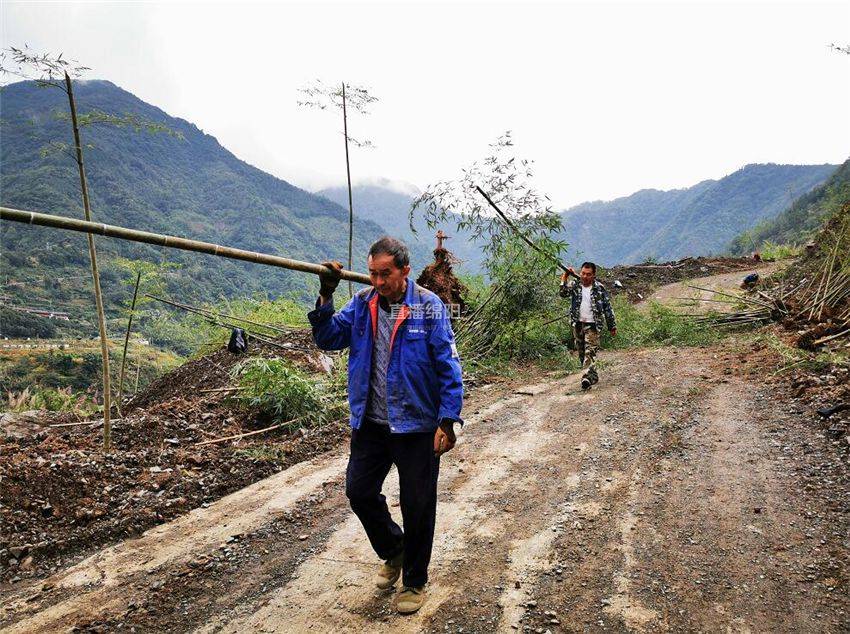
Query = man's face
x=587 y=276
x=386 y=277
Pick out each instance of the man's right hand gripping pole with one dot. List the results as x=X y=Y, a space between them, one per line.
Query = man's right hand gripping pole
x=330 y=280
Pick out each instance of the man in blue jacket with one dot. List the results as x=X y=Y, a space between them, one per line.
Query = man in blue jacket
x=405 y=392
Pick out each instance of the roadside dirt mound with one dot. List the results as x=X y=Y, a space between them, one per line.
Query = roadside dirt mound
x=61 y=496
x=213 y=370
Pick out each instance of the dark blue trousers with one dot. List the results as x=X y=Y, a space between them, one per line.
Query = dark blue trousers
x=374 y=449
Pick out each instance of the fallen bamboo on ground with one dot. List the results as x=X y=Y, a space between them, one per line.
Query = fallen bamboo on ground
x=90 y=423
x=746 y=300
x=823 y=340
x=215 y=441
x=163 y=240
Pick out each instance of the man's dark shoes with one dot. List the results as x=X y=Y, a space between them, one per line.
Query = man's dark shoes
x=585 y=383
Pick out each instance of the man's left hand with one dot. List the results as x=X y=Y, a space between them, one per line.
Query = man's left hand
x=444 y=438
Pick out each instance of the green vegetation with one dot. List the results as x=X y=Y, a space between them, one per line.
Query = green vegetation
x=262 y=453
x=771 y=252
x=194 y=334
x=71 y=368
x=799 y=222
x=17 y=323
x=52 y=400
x=659 y=326
x=794 y=357
x=283 y=393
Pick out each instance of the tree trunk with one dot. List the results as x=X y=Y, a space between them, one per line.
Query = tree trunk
x=101 y=320
x=126 y=342
x=350 y=201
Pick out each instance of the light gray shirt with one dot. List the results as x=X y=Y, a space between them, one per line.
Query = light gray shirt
x=376 y=406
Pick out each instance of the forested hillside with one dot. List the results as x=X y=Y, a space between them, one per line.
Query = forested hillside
x=172 y=179
x=803 y=218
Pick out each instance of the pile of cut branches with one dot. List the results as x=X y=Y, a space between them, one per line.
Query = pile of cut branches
x=812 y=297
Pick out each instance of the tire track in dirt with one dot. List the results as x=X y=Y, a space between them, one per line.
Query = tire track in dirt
x=96 y=583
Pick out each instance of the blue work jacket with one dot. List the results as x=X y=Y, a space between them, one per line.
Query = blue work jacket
x=424 y=384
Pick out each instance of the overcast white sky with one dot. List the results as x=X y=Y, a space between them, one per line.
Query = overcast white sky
x=606 y=98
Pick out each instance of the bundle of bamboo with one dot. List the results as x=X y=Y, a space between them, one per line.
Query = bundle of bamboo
x=818 y=306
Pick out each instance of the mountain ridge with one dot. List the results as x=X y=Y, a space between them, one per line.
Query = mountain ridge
x=697 y=220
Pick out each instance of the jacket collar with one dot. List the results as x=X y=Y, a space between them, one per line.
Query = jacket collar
x=408 y=299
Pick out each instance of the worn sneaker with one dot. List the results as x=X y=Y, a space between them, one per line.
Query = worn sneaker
x=410 y=600
x=389 y=572
x=585 y=383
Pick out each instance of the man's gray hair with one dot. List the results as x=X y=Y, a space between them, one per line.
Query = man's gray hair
x=391 y=246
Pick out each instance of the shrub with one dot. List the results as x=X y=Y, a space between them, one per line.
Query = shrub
x=770 y=251
x=52 y=400
x=283 y=393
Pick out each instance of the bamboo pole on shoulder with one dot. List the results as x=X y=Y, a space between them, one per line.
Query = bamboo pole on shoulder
x=173 y=242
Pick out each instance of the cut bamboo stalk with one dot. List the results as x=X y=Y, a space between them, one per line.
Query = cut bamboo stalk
x=126 y=343
x=746 y=300
x=279 y=329
x=98 y=294
x=818 y=342
x=225 y=324
x=163 y=240
x=350 y=201
x=522 y=236
x=215 y=441
x=90 y=423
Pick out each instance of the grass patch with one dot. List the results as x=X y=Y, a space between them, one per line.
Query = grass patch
x=796 y=358
x=52 y=400
x=659 y=326
x=771 y=252
x=262 y=453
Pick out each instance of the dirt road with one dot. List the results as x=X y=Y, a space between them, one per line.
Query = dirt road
x=684 y=295
x=672 y=497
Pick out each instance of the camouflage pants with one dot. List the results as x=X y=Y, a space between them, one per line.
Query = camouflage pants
x=587 y=343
